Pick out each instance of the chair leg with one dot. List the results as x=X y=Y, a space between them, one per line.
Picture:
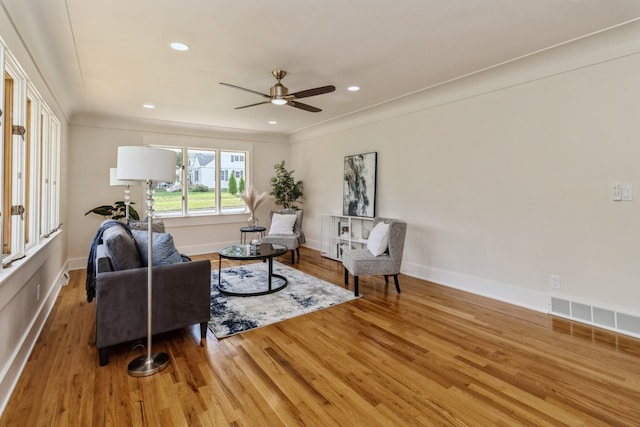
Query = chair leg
x=395 y=279
x=346 y=276
x=293 y=256
x=356 y=287
x=103 y=354
x=203 y=331
x=298 y=253
x=386 y=279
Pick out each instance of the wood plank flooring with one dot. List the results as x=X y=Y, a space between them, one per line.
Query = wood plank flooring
x=428 y=356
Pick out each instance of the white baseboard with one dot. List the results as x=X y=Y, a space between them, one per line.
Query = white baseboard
x=504 y=292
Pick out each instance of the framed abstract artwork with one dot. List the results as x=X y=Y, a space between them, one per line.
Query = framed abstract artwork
x=359 y=188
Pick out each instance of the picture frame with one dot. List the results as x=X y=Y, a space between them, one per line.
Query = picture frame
x=359 y=185
x=343 y=229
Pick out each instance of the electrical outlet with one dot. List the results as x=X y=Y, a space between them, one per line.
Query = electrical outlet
x=554 y=281
x=38 y=293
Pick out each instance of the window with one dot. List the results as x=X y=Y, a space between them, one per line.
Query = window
x=209 y=181
x=30 y=163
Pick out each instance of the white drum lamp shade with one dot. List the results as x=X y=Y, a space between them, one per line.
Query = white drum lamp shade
x=138 y=163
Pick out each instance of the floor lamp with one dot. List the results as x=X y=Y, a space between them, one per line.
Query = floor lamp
x=115 y=182
x=149 y=165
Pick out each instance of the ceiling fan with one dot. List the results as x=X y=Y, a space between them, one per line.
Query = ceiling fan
x=279 y=94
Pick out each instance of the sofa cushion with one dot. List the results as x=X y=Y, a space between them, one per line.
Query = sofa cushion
x=164 y=251
x=157 y=225
x=120 y=248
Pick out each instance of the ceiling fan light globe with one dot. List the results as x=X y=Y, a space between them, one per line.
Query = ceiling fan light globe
x=278 y=101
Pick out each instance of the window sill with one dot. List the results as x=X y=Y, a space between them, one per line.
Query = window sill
x=205 y=219
x=14 y=268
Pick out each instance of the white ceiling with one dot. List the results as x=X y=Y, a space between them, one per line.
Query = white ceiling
x=112 y=56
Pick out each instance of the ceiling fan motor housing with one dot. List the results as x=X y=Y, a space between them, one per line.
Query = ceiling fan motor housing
x=278 y=91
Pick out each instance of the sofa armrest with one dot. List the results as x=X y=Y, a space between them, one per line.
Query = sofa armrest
x=181 y=297
x=103 y=263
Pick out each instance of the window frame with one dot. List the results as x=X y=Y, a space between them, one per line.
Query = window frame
x=35 y=149
x=218 y=146
x=13 y=169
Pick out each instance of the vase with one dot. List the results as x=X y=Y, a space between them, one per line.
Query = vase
x=252 y=221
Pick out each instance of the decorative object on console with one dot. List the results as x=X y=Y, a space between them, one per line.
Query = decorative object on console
x=285 y=188
x=253 y=200
x=147 y=164
x=359 y=188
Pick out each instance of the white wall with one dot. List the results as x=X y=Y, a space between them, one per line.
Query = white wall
x=505 y=177
x=93 y=150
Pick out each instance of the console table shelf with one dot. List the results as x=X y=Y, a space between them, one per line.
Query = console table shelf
x=341 y=232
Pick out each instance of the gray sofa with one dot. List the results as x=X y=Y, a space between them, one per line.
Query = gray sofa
x=181 y=293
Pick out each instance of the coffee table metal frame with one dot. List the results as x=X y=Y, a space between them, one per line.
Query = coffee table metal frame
x=265 y=251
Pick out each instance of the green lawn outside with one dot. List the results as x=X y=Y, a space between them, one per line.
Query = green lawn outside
x=171 y=202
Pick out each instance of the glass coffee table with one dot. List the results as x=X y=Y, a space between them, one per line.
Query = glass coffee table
x=265 y=251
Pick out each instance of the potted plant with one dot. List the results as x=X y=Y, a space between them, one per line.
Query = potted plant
x=286 y=190
x=116 y=211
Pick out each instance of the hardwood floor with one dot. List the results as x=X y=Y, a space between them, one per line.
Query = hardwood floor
x=428 y=356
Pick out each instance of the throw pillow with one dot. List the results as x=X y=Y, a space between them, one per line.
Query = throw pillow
x=378 y=239
x=157 y=225
x=282 y=224
x=164 y=251
x=120 y=248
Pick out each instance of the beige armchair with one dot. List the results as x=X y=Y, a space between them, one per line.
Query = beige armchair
x=291 y=241
x=362 y=262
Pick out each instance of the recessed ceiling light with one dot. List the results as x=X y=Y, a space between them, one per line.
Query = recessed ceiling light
x=149 y=106
x=273 y=122
x=179 y=46
x=353 y=88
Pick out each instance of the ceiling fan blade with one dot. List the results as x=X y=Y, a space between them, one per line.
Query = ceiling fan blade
x=313 y=92
x=305 y=107
x=246 y=90
x=252 y=105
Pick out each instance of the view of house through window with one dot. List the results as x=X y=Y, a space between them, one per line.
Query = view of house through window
x=207 y=181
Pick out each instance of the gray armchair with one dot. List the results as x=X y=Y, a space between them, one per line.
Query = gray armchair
x=361 y=262
x=291 y=241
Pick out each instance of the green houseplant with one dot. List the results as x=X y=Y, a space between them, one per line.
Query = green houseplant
x=116 y=211
x=285 y=188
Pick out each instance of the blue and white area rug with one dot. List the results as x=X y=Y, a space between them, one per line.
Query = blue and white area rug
x=304 y=294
